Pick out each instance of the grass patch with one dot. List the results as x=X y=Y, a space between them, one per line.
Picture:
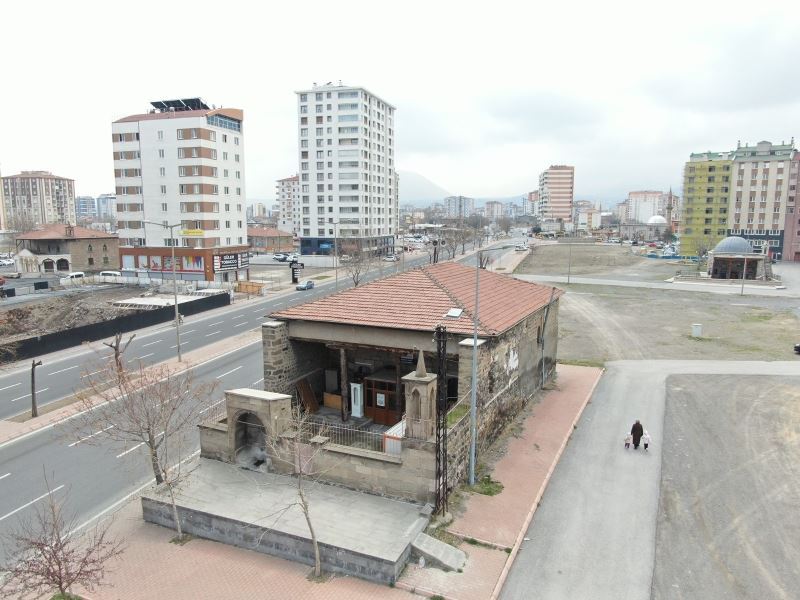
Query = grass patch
x=500 y=269
x=699 y=339
x=582 y=363
x=487 y=486
x=438 y=596
x=755 y=318
x=66 y=597
x=319 y=277
x=456 y=413
x=441 y=534
x=182 y=540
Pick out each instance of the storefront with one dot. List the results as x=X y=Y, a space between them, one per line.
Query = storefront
x=227 y=264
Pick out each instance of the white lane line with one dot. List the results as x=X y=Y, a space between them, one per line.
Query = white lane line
x=189 y=331
x=213 y=333
x=16 y=510
x=240 y=316
x=131 y=450
x=8 y=387
x=92 y=373
x=217 y=323
x=183 y=343
x=26 y=395
x=279 y=305
x=62 y=370
x=212 y=406
x=151 y=343
x=4 y=476
x=141 y=357
x=259 y=381
x=91 y=435
x=260 y=310
x=240 y=324
x=229 y=372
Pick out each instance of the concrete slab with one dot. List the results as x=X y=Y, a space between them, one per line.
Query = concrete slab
x=359 y=534
x=439 y=554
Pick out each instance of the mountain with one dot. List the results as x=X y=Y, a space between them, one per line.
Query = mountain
x=418 y=190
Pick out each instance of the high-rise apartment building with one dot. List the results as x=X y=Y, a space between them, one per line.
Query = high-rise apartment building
x=641 y=205
x=556 y=193
x=530 y=203
x=106 y=206
x=791 y=227
x=38 y=197
x=85 y=207
x=706 y=188
x=287 y=191
x=459 y=207
x=760 y=194
x=348 y=183
x=182 y=163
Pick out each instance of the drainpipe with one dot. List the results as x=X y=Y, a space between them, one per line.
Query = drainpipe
x=544 y=329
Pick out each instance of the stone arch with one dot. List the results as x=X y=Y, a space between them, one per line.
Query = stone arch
x=249 y=440
x=62 y=264
x=48 y=265
x=416 y=405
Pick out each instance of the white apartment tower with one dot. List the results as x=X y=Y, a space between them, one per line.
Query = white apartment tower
x=459 y=207
x=287 y=191
x=182 y=162
x=348 y=183
x=38 y=197
x=556 y=192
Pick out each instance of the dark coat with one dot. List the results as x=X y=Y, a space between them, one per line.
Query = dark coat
x=637 y=431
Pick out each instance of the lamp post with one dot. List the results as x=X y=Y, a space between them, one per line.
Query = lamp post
x=744 y=272
x=174 y=282
x=569 y=262
x=336 y=256
x=473 y=405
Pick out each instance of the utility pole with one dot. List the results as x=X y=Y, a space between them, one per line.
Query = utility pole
x=34 y=409
x=172 y=242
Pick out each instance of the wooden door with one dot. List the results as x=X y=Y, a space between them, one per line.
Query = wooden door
x=381 y=402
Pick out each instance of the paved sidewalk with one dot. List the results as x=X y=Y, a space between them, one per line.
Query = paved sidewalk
x=152 y=567
x=524 y=471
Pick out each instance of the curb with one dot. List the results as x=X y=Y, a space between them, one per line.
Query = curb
x=518 y=543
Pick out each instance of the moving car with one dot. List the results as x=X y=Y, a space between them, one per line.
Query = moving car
x=292 y=257
x=345 y=258
x=520 y=248
x=305 y=285
x=280 y=256
x=110 y=274
x=390 y=258
x=797 y=348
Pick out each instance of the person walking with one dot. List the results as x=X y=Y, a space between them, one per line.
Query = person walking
x=646 y=440
x=637 y=431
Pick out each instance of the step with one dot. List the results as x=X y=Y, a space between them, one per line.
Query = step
x=438 y=554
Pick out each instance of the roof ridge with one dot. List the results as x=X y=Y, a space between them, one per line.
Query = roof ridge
x=455 y=300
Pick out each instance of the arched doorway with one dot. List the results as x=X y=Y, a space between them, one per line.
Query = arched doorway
x=62 y=264
x=48 y=265
x=250 y=442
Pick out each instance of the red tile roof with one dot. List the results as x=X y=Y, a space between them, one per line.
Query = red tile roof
x=419 y=299
x=266 y=232
x=58 y=232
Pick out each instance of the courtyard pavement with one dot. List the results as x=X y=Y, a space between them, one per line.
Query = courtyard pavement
x=594 y=535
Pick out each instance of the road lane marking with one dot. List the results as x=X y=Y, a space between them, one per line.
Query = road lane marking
x=212 y=406
x=92 y=373
x=151 y=343
x=260 y=310
x=239 y=316
x=16 y=510
x=213 y=333
x=259 y=381
x=91 y=435
x=183 y=343
x=190 y=331
x=229 y=372
x=141 y=357
x=240 y=324
x=26 y=395
x=4 y=476
x=217 y=323
x=62 y=370
x=136 y=446
x=8 y=387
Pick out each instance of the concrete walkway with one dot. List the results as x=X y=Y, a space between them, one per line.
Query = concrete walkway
x=594 y=534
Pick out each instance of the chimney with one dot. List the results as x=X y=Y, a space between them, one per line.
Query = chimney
x=69 y=231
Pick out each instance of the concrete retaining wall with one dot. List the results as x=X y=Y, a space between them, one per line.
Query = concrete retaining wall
x=275 y=543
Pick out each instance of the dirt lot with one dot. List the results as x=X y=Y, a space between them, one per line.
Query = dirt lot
x=728 y=521
x=62 y=312
x=598 y=260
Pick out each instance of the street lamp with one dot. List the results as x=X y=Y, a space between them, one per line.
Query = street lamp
x=744 y=272
x=473 y=405
x=336 y=256
x=569 y=262
x=174 y=281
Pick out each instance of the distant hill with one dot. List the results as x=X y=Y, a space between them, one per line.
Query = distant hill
x=418 y=190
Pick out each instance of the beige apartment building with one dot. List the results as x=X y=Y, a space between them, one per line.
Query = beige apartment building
x=287 y=191
x=37 y=198
x=556 y=193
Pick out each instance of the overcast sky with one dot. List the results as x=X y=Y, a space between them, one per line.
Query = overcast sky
x=488 y=94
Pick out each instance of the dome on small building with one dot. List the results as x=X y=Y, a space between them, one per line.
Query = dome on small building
x=733 y=245
x=656 y=220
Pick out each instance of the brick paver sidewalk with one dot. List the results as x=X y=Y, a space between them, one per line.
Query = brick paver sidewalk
x=151 y=567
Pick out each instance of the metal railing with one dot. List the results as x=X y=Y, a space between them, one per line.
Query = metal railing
x=342 y=435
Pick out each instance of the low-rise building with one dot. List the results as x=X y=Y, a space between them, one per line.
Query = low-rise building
x=269 y=239
x=65 y=248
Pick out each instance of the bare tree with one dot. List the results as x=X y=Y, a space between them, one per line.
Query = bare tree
x=119 y=349
x=21 y=221
x=44 y=554
x=150 y=407
x=359 y=263
x=504 y=223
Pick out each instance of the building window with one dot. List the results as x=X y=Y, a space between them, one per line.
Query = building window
x=162 y=171
x=163 y=205
x=160 y=153
x=89 y=248
x=160 y=135
x=235 y=141
x=105 y=260
x=91 y=261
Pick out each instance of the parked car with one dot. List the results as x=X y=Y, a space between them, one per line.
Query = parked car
x=76 y=275
x=390 y=258
x=280 y=256
x=110 y=274
x=6 y=262
x=305 y=285
x=520 y=248
x=797 y=348
x=12 y=275
x=345 y=258
x=292 y=257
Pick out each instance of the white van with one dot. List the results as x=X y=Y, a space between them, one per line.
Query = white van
x=110 y=274
x=76 y=275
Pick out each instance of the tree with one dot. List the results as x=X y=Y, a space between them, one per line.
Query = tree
x=21 y=221
x=504 y=223
x=667 y=236
x=359 y=263
x=119 y=349
x=45 y=554
x=150 y=407
x=536 y=229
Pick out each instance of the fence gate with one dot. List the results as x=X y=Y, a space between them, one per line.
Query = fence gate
x=441 y=419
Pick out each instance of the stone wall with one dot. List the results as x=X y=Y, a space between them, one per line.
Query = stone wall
x=79 y=254
x=214 y=441
x=286 y=361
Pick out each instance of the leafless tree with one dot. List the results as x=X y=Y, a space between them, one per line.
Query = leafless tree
x=504 y=223
x=150 y=407
x=119 y=348
x=359 y=263
x=21 y=221
x=45 y=554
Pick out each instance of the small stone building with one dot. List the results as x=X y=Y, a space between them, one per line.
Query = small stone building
x=269 y=239
x=64 y=248
x=734 y=258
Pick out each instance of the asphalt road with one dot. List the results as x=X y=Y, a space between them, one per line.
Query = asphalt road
x=93 y=478
x=594 y=535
